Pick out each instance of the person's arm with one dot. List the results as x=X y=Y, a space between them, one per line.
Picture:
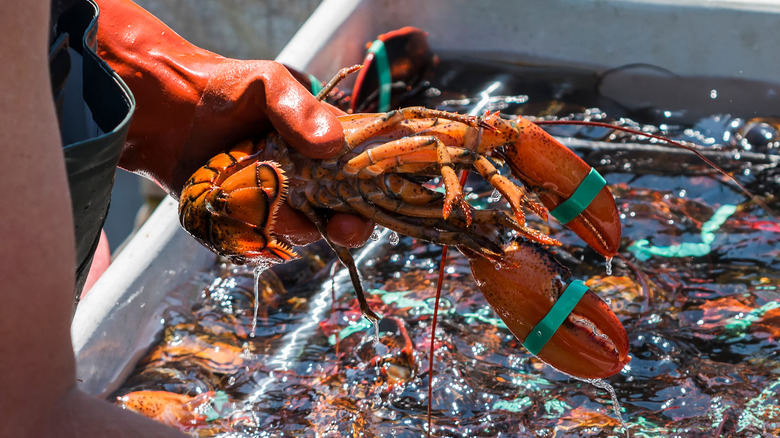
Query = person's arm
x=37 y=368
x=193 y=104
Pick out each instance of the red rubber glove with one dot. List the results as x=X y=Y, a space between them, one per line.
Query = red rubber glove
x=193 y=104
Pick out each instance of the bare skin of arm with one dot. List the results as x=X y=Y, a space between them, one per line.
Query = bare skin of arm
x=38 y=396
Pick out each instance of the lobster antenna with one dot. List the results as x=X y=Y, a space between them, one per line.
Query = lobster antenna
x=343 y=73
x=678 y=144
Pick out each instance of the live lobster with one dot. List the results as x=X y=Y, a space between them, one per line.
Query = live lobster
x=381 y=173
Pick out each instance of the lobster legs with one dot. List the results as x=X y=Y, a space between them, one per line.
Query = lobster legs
x=392 y=153
x=412 y=139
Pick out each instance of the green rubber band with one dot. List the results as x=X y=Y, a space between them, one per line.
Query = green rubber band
x=383 y=73
x=581 y=198
x=543 y=331
x=643 y=250
x=316 y=85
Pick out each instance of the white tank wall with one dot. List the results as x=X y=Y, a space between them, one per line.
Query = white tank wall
x=236 y=28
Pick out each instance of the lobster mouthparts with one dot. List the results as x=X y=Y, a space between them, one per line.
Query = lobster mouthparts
x=591 y=343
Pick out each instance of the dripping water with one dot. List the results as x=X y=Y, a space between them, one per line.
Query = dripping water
x=600 y=383
x=609 y=265
x=375 y=323
x=257 y=271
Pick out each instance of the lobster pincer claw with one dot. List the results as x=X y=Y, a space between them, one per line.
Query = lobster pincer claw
x=574 y=193
x=528 y=289
x=395 y=66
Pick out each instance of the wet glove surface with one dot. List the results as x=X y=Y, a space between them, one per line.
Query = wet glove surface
x=193 y=104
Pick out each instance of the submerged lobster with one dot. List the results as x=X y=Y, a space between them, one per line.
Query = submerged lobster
x=230 y=204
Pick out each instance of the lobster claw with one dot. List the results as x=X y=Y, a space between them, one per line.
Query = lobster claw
x=407 y=61
x=554 y=173
x=591 y=343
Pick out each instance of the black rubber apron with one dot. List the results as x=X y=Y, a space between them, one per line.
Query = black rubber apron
x=95 y=108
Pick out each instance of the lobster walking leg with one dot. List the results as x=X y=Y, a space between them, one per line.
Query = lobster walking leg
x=428 y=233
x=346 y=259
x=453 y=190
x=360 y=132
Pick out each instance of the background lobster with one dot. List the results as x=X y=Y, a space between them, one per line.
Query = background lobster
x=383 y=173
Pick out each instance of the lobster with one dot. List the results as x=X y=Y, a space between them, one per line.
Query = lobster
x=382 y=172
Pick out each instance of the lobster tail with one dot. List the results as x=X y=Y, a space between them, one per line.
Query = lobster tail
x=230 y=206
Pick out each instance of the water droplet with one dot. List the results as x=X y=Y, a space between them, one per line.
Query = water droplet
x=393 y=238
x=375 y=235
x=495 y=196
x=713 y=94
x=609 y=265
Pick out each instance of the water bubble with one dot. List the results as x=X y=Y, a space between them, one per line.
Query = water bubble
x=609 y=265
x=713 y=94
x=375 y=235
x=495 y=196
x=394 y=238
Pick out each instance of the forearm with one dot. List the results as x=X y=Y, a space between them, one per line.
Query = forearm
x=193 y=104
x=166 y=75
x=36 y=263
x=37 y=365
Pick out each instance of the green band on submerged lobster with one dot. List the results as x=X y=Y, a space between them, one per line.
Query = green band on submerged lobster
x=543 y=331
x=580 y=199
x=316 y=85
x=383 y=73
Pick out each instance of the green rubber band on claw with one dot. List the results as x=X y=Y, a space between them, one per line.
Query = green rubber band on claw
x=383 y=73
x=316 y=85
x=581 y=198
x=547 y=327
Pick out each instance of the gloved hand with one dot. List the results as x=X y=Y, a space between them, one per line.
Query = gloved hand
x=192 y=104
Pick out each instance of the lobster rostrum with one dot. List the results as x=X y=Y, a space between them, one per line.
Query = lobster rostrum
x=381 y=174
